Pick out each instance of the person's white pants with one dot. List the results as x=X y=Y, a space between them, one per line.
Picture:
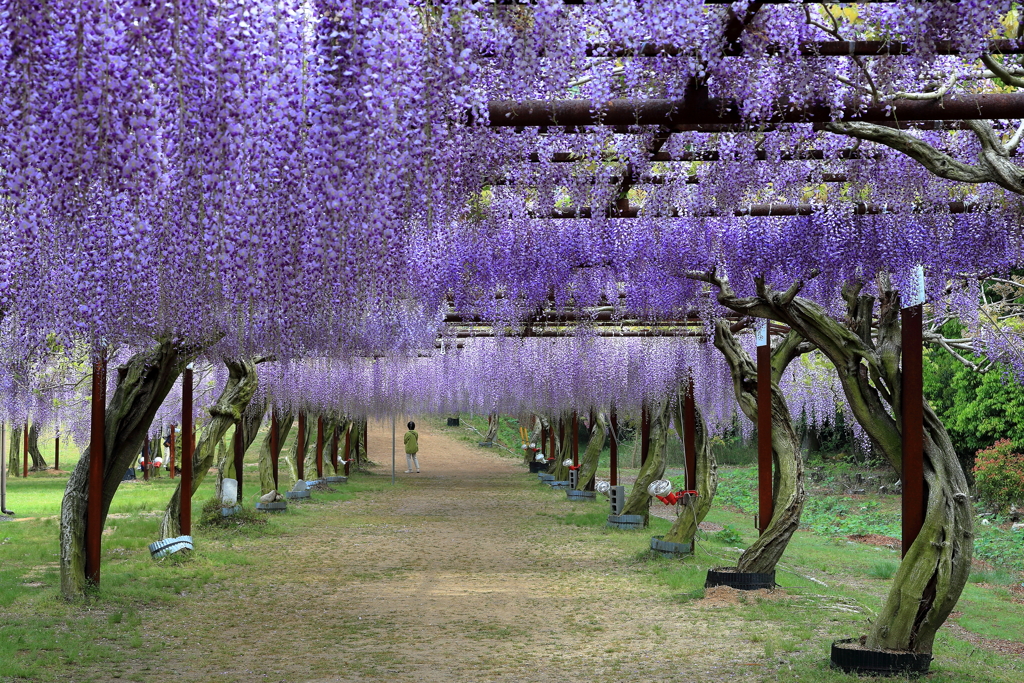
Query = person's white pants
x=412 y=464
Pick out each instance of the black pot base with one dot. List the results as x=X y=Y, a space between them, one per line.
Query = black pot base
x=744 y=581
x=878 y=662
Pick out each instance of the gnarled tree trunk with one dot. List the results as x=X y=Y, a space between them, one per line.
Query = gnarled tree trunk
x=14 y=453
x=564 y=446
x=788 y=491
x=592 y=456
x=284 y=426
x=240 y=387
x=149 y=377
x=38 y=463
x=492 y=428
x=936 y=566
x=638 y=501
x=685 y=526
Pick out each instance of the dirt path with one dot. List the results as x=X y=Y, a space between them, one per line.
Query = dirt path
x=463 y=573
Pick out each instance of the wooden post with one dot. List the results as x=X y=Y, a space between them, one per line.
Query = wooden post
x=912 y=403
x=187 y=453
x=575 y=439
x=275 y=444
x=300 y=448
x=551 y=435
x=239 y=445
x=613 y=446
x=319 y=447
x=543 y=439
x=765 y=503
x=645 y=434
x=170 y=457
x=56 y=452
x=97 y=451
x=690 y=437
x=145 y=459
x=26 y=449
x=348 y=451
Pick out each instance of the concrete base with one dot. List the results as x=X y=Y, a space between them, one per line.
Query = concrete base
x=296 y=495
x=276 y=506
x=227 y=512
x=337 y=480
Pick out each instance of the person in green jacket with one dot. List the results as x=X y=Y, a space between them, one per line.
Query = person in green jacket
x=412 y=446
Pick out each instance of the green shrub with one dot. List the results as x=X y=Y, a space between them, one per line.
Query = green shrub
x=883 y=569
x=729 y=536
x=999 y=475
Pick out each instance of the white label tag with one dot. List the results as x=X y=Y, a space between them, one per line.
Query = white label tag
x=762 y=333
x=915 y=287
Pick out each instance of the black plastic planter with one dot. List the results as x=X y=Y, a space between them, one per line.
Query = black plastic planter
x=857 y=660
x=538 y=466
x=626 y=521
x=670 y=549
x=453 y=422
x=744 y=581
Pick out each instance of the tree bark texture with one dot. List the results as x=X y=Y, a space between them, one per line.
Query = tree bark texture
x=560 y=471
x=492 y=428
x=592 y=456
x=866 y=350
x=685 y=527
x=38 y=464
x=129 y=414
x=14 y=453
x=266 y=467
x=788 y=491
x=638 y=501
x=232 y=402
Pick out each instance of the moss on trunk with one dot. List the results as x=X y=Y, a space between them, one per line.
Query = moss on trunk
x=638 y=501
x=592 y=456
x=685 y=527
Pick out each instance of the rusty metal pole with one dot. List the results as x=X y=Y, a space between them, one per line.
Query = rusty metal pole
x=319 y=447
x=239 y=445
x=300 y=448
x=348 y=450
x=690 y=437
x=170 y=457
x=765 y=504
x=334 y=450
x=575 y=439
x=56 y=452
x=645 y=434
x=275 y=444
x=912 y=402
x=145 y=459
x=25 y=439
x=614 y=447
x=543 y=437
x=551 y=435
x=187 y=453
x=97 y=449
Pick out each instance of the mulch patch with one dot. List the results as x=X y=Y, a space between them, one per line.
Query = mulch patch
x=878 y=540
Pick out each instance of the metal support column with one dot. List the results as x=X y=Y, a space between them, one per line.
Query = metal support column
x=575 y=439
x=613 y=446
x=348 y=451
x=173 y=454
x=25 y=439
x=690 y=437
x=645 y=434
x=145 y=459
x=239 y=444
x=765 y=502
x=300 y=448
x=275 y=444
x=319 y=447
x=187 y=453
x=56 y=452
x=334 y=450
x=912 y=402
x=97 y=450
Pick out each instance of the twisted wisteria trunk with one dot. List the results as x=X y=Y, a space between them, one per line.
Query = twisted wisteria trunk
x=788 y=493
x=266 y=465
x=685 y=527
x=14 y=453
x=232 y=402
x=38 y=463
x=536 y=428
x=638 y=501
x=592 y=456
x=492 y=428
x=148 y=378
x=252 y=418
x=936 y=566
x=564 y=448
